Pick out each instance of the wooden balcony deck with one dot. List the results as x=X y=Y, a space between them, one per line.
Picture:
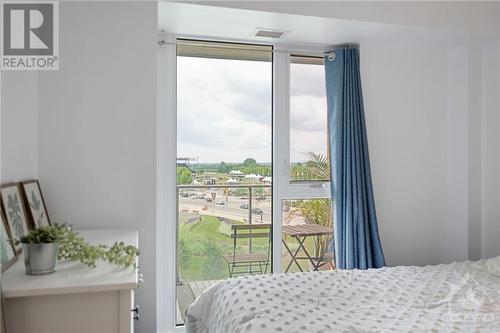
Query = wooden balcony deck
x=198 y=287
x=187 y=293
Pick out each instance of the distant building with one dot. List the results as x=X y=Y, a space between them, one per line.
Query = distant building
x=236 y=173
x=209 y=178
x=209 y=181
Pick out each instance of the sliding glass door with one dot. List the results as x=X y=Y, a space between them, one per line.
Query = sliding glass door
x=252 y=181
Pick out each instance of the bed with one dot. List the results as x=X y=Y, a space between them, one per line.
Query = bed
x=457 y=297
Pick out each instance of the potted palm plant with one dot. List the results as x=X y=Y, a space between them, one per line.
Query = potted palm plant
x=318 y=211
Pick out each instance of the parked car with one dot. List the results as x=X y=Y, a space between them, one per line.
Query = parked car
x=220 y=203
x=245 y=197
x=260 y=197
x=207 y=199
x=244 y=206
x=257 y=211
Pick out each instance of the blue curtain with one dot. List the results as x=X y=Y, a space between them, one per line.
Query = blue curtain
x=357 y=243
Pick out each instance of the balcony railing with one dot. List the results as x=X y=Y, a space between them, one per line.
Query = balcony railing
x=213 y=198
x=242 y=203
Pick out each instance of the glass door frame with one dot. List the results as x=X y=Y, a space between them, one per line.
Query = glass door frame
x=283 y=187
x=166 y=200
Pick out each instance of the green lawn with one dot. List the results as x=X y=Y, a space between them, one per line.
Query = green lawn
x=202 y=244
x=203 y=241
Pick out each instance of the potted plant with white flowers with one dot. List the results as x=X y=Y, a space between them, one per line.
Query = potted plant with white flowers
x=43 y=246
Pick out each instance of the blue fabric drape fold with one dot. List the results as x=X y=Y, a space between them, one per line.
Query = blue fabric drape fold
x=357 y=242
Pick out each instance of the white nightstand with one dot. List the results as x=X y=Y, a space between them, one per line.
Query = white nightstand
x=75 y=298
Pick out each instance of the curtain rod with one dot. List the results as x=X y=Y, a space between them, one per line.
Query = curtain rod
x=165 y=43
x=331 y=54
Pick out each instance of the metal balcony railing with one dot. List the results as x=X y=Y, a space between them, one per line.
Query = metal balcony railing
x=224 y=187
x=210 y=193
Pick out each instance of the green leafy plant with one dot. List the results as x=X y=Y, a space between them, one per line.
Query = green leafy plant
x=318 y=211
x=75 y=248
x=319 y=165
x=45 y=234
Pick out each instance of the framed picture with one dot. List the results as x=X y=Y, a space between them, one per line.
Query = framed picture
x=35 y=204
x=7 y=251
x=15 y=213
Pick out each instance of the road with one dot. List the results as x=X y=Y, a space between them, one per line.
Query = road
x=231 y=208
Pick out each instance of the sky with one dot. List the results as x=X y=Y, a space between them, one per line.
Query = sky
x=224 y=110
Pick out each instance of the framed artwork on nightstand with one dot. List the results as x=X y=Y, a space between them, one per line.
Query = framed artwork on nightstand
x=35 y=205
x=15 y=212
x=7 y=247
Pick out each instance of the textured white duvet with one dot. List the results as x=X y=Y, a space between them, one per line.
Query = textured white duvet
x=459 y=297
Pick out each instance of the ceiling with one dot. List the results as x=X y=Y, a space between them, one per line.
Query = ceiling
x=201 y=21
x=478 y=17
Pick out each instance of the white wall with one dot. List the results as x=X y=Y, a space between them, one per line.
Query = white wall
x=19 y=134
x=433 y=121
x=97 y=127
x=456 y=240
x=475 y=129
x=490 y=229
x=406 y=116
x=470 y=141
x=18 y=129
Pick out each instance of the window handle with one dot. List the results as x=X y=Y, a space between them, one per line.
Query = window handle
x=285 y=167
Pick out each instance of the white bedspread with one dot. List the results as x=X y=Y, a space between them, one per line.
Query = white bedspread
x=458 y=297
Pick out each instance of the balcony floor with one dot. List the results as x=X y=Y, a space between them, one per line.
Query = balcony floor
x=198 y=287
x=187 y=293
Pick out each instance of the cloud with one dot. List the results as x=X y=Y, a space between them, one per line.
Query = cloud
x=225 y=110
x=308 y=113
x=307 y=80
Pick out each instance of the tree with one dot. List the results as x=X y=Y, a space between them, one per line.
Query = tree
x=249 y=162
x=299 y=172
x=224 y=167
x=184 y=176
